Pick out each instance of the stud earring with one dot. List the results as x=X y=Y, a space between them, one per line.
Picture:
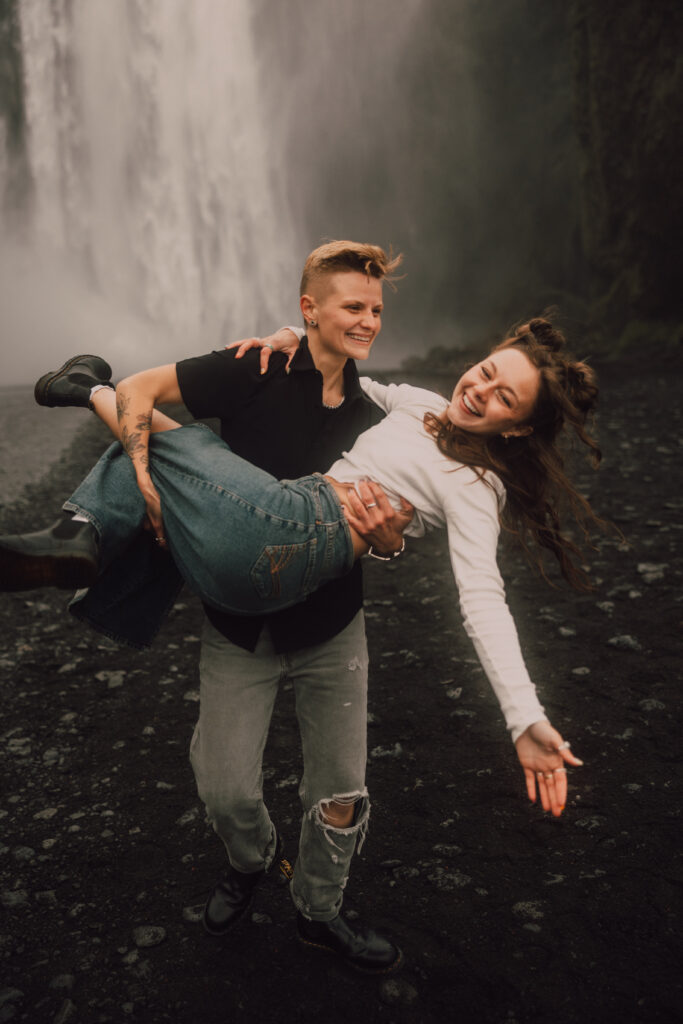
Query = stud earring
x=312 y=323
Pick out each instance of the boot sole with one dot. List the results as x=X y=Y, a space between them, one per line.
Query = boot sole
x=230 y=927
x=19 y=571
x=41 y=392
x=349 y=963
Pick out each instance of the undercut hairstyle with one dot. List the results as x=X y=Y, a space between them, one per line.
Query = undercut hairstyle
x=340 y=256
x=532 y=467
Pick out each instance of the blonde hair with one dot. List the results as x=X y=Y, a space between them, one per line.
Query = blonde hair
x=336 y=256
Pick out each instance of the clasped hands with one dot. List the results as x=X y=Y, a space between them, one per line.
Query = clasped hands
x=371 y=514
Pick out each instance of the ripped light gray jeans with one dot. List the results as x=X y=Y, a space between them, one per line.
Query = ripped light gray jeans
x=237 y=695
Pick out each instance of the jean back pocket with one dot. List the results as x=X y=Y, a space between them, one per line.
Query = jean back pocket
x=285 y=572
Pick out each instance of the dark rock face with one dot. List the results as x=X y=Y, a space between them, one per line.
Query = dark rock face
x=628 y=83
x=12 y=115
x=467 y=159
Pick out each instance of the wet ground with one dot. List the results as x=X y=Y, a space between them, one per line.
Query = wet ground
x=31 y=439
x=505 y=915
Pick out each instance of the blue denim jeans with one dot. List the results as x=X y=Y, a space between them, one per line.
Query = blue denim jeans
x=237 y=695
x=244 y=541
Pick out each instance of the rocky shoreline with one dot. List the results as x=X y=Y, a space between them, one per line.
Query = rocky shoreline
x=504 y=914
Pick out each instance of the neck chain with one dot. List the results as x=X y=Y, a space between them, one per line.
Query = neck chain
x=326 y=405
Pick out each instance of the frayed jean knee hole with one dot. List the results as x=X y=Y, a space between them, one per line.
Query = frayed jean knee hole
x=358 y=827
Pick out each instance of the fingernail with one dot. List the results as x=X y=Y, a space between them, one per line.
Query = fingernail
x=263 y=370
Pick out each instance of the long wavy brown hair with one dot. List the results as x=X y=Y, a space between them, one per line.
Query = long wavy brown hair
x=532 y=468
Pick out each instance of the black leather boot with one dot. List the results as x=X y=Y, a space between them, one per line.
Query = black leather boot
x=231 y=897
x=72 y=383
x=65 y=555
x=365 y=950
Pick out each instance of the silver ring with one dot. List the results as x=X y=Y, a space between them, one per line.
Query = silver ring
x=562 y=770
x=159 y=540
x=564 y=746
x=371 y=504
x=268 y=345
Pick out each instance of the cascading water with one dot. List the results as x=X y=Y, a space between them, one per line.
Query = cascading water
x=149 y=161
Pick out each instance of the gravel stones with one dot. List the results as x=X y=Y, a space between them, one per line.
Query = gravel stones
x=397 y=992
x=148 y=935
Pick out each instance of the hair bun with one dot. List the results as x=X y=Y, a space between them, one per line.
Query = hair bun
x=582 y=386
x=546 y=335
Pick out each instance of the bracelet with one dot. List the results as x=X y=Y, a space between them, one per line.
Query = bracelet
x=388 y=558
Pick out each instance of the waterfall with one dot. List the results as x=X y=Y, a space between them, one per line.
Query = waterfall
x=150 y=162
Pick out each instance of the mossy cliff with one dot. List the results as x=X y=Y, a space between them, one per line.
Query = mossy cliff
x=628 y=82
x=15 y=181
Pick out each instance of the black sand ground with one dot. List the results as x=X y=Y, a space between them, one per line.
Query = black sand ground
x=505 y=915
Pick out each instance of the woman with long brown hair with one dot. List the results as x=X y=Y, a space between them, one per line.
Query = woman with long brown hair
x=491 y=455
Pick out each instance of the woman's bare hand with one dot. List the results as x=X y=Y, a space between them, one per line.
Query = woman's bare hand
x=543 y=754
x=373 y=516
x=283 y=340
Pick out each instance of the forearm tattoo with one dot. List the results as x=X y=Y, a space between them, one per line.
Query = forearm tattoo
x=122 y=403
x=132 y=440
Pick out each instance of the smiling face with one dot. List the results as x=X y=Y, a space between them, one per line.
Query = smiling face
x=346 y=308
x=497 y=395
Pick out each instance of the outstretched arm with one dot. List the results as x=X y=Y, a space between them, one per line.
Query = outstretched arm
x=473 y=530
x=136 y=398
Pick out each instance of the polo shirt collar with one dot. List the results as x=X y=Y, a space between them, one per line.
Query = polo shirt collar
x=303 y=361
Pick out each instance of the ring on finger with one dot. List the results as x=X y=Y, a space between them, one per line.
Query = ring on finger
x=564 y=746
x=548 y=776
x=371 y=504
x=558 y=771
x=268 y=345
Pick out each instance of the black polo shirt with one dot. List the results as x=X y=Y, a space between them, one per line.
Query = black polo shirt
x=278 y=422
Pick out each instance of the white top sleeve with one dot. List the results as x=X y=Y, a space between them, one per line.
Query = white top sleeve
x=381 y=394
x=473 y=530
x=299 y=331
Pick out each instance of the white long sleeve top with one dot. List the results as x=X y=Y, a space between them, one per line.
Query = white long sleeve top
x=400 y=455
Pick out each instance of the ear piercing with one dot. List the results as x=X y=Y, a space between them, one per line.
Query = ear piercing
x=313 y=323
